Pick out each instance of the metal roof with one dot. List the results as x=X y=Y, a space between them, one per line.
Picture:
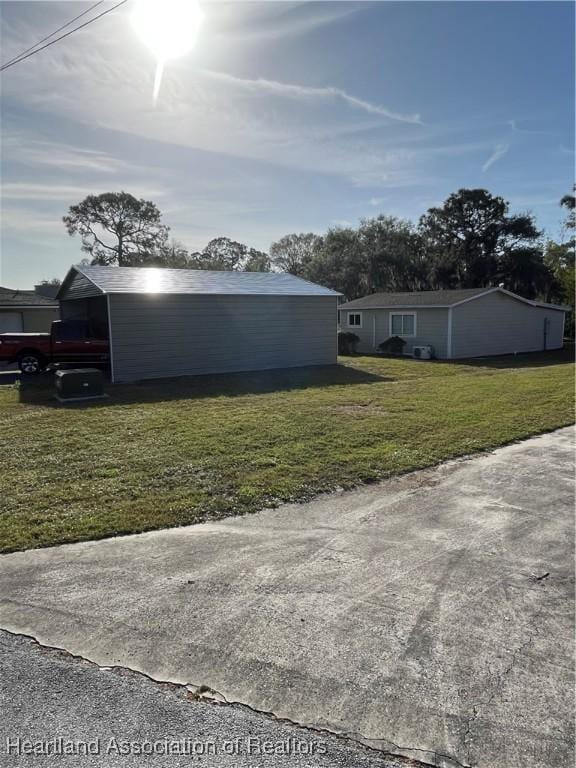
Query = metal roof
x=189 y=281
x=436 y=299
x=12 y=298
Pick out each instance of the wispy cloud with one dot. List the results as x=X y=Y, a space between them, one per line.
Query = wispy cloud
x=34 y=152
x=498 y=154
x=301 y=125
x=21 y=219
x=522 y=127
x=309 y=94
x=53 y=191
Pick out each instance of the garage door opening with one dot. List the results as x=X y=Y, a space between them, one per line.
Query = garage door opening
x=11 y=322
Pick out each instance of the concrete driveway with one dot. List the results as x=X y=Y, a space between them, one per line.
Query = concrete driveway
x=430 y=615
x=47 y=693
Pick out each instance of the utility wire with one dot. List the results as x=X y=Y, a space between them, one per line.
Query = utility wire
x=26 y=55
x=54 y=33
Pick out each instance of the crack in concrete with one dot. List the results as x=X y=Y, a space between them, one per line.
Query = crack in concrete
x=497 y=690
x=215 y=698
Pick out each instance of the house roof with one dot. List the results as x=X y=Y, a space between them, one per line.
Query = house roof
x=441 y=299
x=11 y=298
x=190 y=281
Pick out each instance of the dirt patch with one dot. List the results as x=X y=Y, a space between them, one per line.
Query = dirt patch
x=361 y=409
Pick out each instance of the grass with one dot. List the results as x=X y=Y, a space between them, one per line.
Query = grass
x=181 y=451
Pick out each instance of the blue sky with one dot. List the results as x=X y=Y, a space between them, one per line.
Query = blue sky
x=286 y=117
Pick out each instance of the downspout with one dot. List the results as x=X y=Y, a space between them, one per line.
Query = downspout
x=374 y=330
x=449 y=337
x=338 y=328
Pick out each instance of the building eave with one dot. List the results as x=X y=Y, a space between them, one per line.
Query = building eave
x=28 y=306
x=395 y=306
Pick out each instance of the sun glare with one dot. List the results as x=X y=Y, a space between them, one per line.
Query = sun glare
x=169 y=28
x=153 y=280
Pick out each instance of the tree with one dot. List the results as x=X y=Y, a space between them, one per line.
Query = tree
x=569 y=202
x=525 y=271
x=221 y=253
x=561 y=260
x=392 y=255
x=292 y=253
x=170 y=254
x=116 y=228
x=256 y=261
x=338 y=262
x=470 y=237
x=383 y=254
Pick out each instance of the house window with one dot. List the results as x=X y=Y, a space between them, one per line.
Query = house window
x=402 y=324
x=354 y=319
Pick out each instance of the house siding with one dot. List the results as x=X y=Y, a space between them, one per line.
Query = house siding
x=39 y=320
x=497 y=324
x=171 y=335
x=28 y=320
x=431 y=328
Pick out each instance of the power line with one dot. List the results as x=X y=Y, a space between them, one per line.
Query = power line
x=24 y=55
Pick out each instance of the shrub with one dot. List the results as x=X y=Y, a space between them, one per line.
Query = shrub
x=347 y=342
x=392 y=346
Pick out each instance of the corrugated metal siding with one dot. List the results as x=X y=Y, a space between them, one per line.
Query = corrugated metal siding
x=79 y=288
x=497 y=325
x=431 y=328
x=161 y=336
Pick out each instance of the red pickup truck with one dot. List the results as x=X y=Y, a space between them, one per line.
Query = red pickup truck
x=69 y=341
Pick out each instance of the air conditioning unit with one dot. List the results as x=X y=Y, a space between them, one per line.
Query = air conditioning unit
x=79 y=384
x=425 y=352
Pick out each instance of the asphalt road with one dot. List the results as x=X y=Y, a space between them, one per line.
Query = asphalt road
x=431 y=615
x=110 y=718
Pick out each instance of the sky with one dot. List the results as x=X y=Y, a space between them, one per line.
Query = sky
x=285 y=117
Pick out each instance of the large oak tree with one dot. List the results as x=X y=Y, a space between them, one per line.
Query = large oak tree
x=472 y=238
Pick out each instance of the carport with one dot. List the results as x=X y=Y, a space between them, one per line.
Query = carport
x=175 y=322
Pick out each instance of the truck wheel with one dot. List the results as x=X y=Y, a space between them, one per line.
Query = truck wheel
x=31 y=363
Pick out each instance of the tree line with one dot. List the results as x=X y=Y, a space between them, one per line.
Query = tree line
x=471 y=241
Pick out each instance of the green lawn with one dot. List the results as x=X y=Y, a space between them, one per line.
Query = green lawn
x=180 y=451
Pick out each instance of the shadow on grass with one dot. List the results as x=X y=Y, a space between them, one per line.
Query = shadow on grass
x=40 y=390
x=522 y=360
x=7 y=378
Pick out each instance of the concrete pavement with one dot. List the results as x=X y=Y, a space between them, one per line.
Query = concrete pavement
x=109 y=718
x=430 y=615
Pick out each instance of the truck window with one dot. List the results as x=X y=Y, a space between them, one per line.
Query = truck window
x=97 y=329
x=70 y=331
